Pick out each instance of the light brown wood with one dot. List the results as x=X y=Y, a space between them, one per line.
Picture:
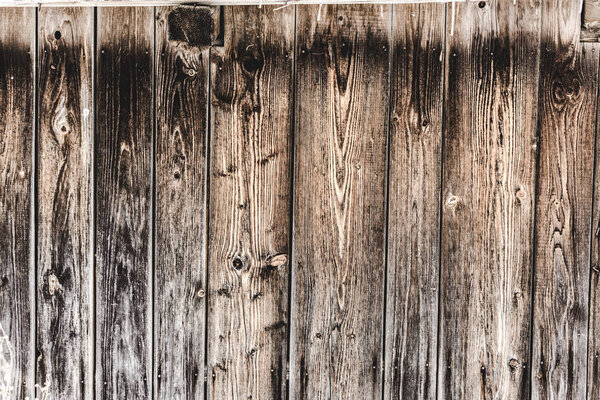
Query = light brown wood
x=123 y=184
x=180 y=271
x=249 y=219
x=65 y=153
x=568 y=92
x=17 y=268
x=341 y=128
x=489 y=169
x=414 y=202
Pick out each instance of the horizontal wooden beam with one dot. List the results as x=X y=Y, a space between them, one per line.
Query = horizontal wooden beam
x=127 y=3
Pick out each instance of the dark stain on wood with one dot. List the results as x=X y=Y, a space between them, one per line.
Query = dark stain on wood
x=191 y=25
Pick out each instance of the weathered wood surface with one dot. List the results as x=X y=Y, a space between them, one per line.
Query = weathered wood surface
x=64 y=168
x=568 y=90
x=123 y=202
x=488 y=193
x=17 y=273
x=414 y=202
x=249 y=221
x=341 y=128
x=180 y=271
x=255 y=218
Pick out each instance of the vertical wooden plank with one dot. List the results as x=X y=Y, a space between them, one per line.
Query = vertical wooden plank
x=249 y=205
x=414 y=202
x=489 y=166
x=17 y=272
x=181 y=115
x=342 y=94
x=65 y=146
x=123 y=199
x=568 y=88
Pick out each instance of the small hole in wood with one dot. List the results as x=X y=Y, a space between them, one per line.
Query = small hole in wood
x=57 y=35
x=482 y=4
x=237 y=264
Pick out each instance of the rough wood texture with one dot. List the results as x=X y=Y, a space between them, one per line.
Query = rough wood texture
x=414 y=202
x=568 y=89
x=17 y=273
x=249 y=220
x=342 y=87
x=490 y=150
x=180 y=273
x=65 y=146
x=123 y=198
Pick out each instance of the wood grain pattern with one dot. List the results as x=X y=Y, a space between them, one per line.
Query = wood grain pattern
x=17 y=271
x=569 y=79
x=414 y=202
x=180 y=272
x=123 y=199
x=342 y=94
x=490 y=147
x=65 y=146
x=250 y=205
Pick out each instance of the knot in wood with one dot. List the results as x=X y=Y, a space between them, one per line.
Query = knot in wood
x=238 y=265
x=452 y=201
x=277 y=260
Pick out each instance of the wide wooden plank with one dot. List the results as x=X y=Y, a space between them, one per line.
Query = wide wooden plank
x=180 y=273
x=17 y=273
x=489 y=166
x=569 y=79
x=249 y=221
x=341 y=128
x=123 y=200
x=414 y=202
x=65 y=146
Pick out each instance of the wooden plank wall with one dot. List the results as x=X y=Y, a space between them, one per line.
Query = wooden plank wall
x=337 y=202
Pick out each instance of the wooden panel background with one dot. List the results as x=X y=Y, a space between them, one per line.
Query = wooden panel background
x=336 y=202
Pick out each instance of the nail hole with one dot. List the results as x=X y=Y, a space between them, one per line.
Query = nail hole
x=57 y=35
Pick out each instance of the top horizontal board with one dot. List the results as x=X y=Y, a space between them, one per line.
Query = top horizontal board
x=114 y=3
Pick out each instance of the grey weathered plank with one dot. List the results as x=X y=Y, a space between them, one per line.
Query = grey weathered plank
x=123 y=200
x=489 y=169
x=568 y=89
x=414 y=202
x=65 y=146
x=342 y=95
x=249 y=220
x=180 y=272
x=17 y=272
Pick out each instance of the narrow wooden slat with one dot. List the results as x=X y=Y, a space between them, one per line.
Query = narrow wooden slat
x=65 y=145
x=414 y=202
x=249 y=205
x=158 y=3
x=568 y=91
x=180 y=273
x=489 y=166
x=342 y=86
x=17 y=272
x=123 y=200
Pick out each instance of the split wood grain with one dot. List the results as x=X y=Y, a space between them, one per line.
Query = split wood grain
x=250 y=200
x=180 y=271
x=17 y=270
x=490 y=147
x=64 y=221
x=568 y=89
x=414 y=202
x=124 y=101
x=341 y=128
